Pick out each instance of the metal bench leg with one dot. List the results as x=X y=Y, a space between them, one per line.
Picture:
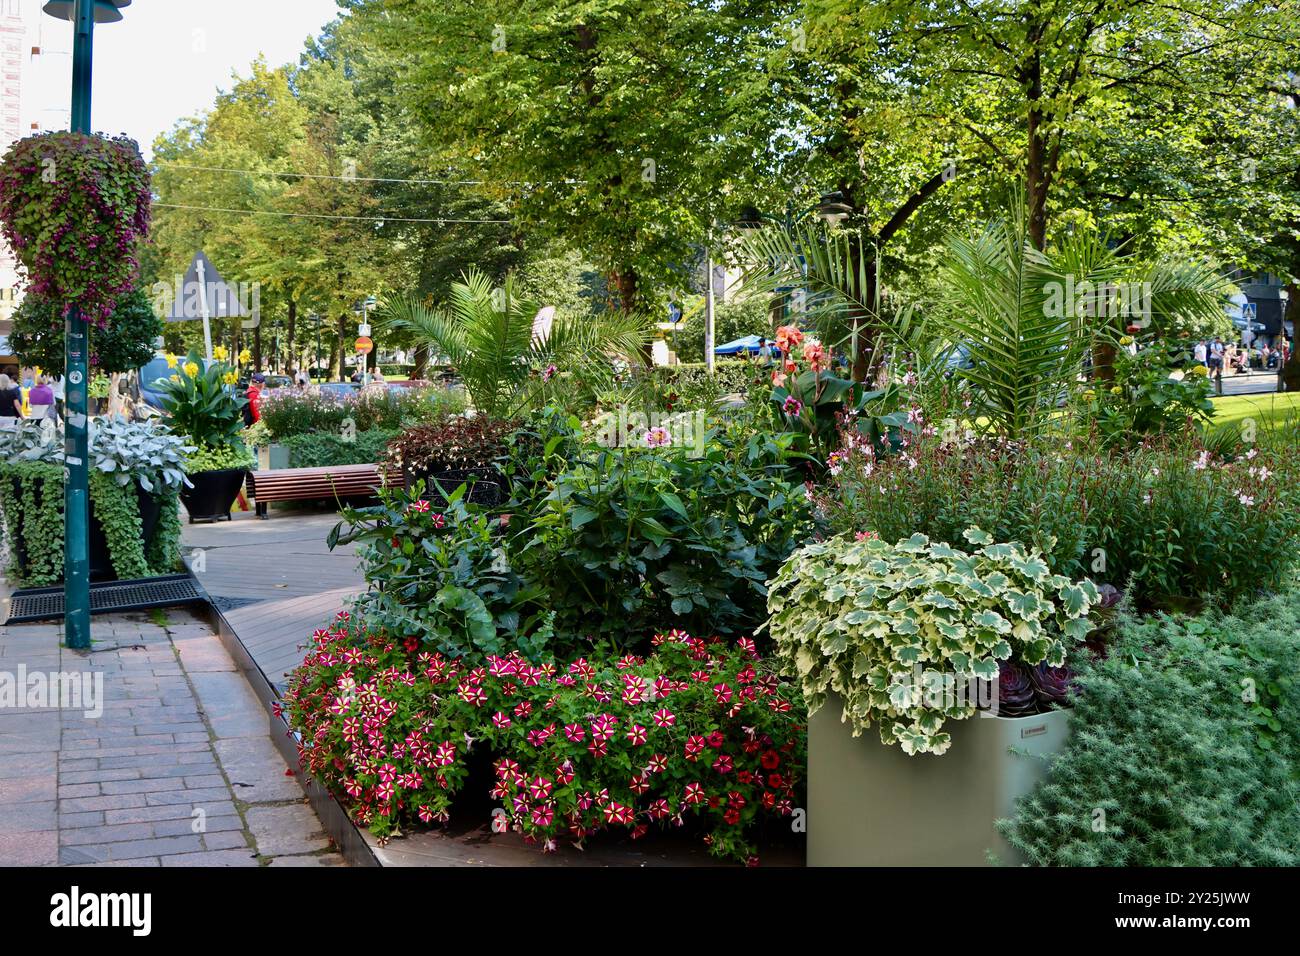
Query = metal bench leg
x=262 y=509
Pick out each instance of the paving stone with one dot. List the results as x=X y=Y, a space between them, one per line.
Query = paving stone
x=204 y=655
x=213 y=808
x=226 y=840
x=316 y=860
x=210 y=825
x=131 y=849
x=115 y=802
x=188 y=797
x=30 y=848
x=231 y=706
x=27 y=787
x=106 y=834
x=28 y=817
x=256 y=770
x=213 y=858
x=285 y=830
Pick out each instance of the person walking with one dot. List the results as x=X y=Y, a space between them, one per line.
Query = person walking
x=253 y=410
x=1214 y=361
x=11 y=399
x=41 y=396
x=764 y=351
x=1199 y=353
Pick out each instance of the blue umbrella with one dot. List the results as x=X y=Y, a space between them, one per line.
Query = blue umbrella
x=750 y=343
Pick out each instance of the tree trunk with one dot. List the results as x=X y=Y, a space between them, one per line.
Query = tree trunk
x=420 y=365
x=257 y=347
x=1289 y=374
x=292 y=332
x=625 y=282
x=1036 y=176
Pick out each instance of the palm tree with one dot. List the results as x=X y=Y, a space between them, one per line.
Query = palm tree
x=1000 y=299
x=489 y=335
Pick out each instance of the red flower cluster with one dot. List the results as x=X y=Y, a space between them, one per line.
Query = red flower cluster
x=698 y=729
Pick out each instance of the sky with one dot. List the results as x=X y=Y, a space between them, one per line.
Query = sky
x=166 y=60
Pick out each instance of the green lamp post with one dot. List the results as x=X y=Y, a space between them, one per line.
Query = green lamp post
x=84 y=14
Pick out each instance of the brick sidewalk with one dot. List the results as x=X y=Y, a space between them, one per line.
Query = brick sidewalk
x=179 y=770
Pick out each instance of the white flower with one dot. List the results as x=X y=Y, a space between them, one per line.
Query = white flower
x=1251 y=454
x=1202 y=460
x=1245 y=499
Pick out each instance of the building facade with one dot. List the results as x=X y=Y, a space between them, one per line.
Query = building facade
x=12 y=40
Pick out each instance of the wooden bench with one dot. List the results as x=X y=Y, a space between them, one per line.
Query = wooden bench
x=310 y=484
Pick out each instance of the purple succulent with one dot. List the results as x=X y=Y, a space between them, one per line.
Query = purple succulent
x=1015 y=691
x=1053 y=685
x=1110 y=596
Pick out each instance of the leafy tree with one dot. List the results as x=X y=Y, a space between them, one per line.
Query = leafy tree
x=124 y=344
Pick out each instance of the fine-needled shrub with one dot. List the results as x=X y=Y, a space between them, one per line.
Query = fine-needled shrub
x=1184 y=749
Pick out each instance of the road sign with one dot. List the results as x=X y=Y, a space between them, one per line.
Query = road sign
x=1248 y=311
x=364 y=345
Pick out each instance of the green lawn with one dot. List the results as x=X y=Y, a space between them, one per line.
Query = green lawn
x=1267 y=410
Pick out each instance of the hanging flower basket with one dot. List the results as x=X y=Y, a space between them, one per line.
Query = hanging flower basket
x=74 y=208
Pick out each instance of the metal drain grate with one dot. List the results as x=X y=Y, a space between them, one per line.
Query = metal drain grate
x=43 y=604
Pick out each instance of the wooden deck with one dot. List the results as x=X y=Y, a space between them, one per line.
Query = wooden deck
x=275 y=581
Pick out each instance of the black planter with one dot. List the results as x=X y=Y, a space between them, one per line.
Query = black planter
x=213 y=494
x=487 y=485
x=101 y=559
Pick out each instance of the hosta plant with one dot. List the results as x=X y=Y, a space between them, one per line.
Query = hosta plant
x=895 y=629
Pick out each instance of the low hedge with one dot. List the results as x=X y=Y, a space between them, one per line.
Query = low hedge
x=322 y=449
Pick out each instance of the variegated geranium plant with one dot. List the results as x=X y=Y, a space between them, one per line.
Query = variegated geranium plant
x=896 y=629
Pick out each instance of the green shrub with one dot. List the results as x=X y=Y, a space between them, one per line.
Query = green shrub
x=1184 y=752
x=317 y=450
x=690 y=387
x=863 y=618
x=440 y=576
x=731 y=320
x=630 y=541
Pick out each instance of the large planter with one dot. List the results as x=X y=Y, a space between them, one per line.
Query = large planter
x=101 y=559
x=873 y=805
x=213 y=493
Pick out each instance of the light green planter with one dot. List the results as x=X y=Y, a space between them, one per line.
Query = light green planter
x=873 y=805
x=272 y=457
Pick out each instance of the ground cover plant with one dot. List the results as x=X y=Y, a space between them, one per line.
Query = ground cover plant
x=1184 y=748
x=696 y=732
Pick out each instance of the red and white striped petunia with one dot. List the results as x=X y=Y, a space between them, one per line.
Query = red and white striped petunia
x=663 y=717
x=694 y=794
x=636 y=734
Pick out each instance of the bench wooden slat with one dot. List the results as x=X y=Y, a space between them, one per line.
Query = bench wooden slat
x=305 y=484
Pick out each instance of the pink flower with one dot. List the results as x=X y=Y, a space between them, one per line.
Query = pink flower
x=792 y=406
x=636 y=734
x=658 y=437
x=419 y=506
x=663 y=717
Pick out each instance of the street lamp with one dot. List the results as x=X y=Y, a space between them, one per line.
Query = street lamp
x=84 y=14
x=363 y=331
x=831 y=208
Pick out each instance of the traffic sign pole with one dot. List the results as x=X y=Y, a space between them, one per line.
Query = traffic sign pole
x=76 y=449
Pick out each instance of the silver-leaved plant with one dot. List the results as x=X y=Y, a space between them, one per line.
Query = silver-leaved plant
x=862 y=618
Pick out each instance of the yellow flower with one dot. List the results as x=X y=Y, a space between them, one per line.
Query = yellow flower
x=245 y=357
x=191 y=369
x=1126 y=340
x=175 y=378
x=1116 y=390
x=1088 y=394
x=230 y=378
x=171 y=360
x=1198 y=370
x=220 y=353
